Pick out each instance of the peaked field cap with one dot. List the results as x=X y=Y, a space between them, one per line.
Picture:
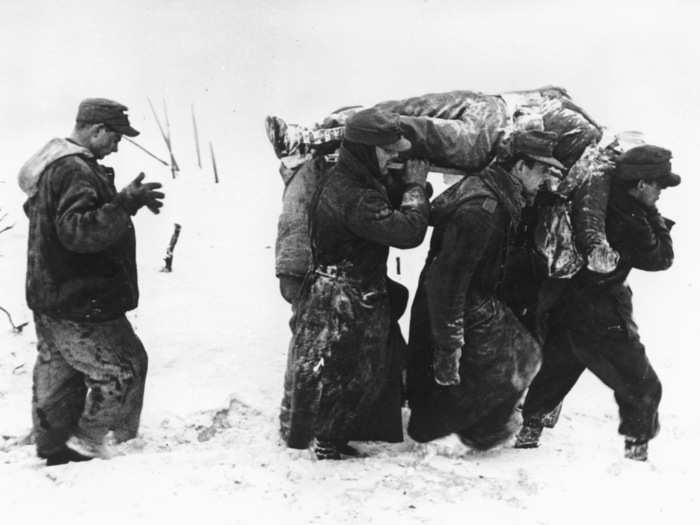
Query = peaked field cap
x=375 y=127
x=108 y=112
x=538 y=145
x=647 y=162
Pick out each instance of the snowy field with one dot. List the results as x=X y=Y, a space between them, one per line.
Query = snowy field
x=216 y=333
x=216 y=328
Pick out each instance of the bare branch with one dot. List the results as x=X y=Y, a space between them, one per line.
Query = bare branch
x=15 y=328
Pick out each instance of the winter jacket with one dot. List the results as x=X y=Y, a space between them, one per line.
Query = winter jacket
x=81 y=253
x=639 y=234
x=292 y=246
x=600 y=304
x=355 y=222
x=474 y=222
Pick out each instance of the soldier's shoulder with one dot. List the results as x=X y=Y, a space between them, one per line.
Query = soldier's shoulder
x=489 y=204
x=70 y=163
x=478 y=195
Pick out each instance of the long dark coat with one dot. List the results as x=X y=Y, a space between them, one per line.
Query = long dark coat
x=341 y=361
x=458 y=306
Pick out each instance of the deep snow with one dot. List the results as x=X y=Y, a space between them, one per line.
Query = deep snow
x=216 y=333
x=216 y=329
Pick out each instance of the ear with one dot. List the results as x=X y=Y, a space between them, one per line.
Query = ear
x=518 y=166
x=97 y=129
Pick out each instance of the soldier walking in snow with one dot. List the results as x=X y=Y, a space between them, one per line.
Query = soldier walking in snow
x=470 y=359
x=592 y=325
x=341 y=360
x=81 y=279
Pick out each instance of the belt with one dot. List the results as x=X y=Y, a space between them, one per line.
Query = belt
x=333 y=271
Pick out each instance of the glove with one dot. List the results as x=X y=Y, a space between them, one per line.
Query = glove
x=416 y=172
x=602 y=258
x=136 y=195
x=446 y=366
x=659 y=223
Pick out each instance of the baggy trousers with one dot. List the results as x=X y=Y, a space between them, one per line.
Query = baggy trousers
x=89 y=378
x=613 y=352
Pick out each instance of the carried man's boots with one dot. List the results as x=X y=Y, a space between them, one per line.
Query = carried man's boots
x=636 y=449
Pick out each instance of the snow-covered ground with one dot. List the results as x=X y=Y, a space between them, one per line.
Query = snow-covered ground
x=216 y=333
x=216 y=329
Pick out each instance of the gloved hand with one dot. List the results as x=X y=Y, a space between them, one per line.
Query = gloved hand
x=659 y=223
x=136 y=195
x=446 y=366
x=416 y=172
x=602 y=258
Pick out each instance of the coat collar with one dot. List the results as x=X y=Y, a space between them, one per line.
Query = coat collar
x=508 y=190
x=351 y=165
x=624 y=203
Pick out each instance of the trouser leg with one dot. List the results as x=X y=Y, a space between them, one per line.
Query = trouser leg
x=112 y=361
x=620 y=361
x=286 y=404
x=58 y=396
x=560 y=370
x=290 y=288
x=135 y=353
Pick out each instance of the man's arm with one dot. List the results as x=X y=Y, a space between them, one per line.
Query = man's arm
x=647 y=244
x=83 y=224
x=452 y=269
x=372 y=217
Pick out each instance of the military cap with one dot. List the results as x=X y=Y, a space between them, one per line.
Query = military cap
x=376 y=127
x=108 y=112
x=647 y=163
x=537 y=145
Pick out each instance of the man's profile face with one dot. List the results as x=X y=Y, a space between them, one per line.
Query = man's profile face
x=648 y=192
x=384 y=157
x=104 y=141
x=532 y=178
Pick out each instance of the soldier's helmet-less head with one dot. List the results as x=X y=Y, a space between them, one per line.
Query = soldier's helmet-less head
x=375 y=127
x=537 y=145
x=108 y=112
x=648 y=163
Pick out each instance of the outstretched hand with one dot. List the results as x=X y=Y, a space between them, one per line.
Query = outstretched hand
x=144 y=194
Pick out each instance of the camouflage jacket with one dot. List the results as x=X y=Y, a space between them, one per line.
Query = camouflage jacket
x=81 y=262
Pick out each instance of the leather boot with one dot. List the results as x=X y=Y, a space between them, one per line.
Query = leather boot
x=636 y=449
x=529 y=436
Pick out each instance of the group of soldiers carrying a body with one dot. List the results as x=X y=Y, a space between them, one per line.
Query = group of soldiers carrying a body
x=494 y=344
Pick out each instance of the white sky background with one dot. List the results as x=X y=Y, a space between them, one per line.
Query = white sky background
x=632 y=65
